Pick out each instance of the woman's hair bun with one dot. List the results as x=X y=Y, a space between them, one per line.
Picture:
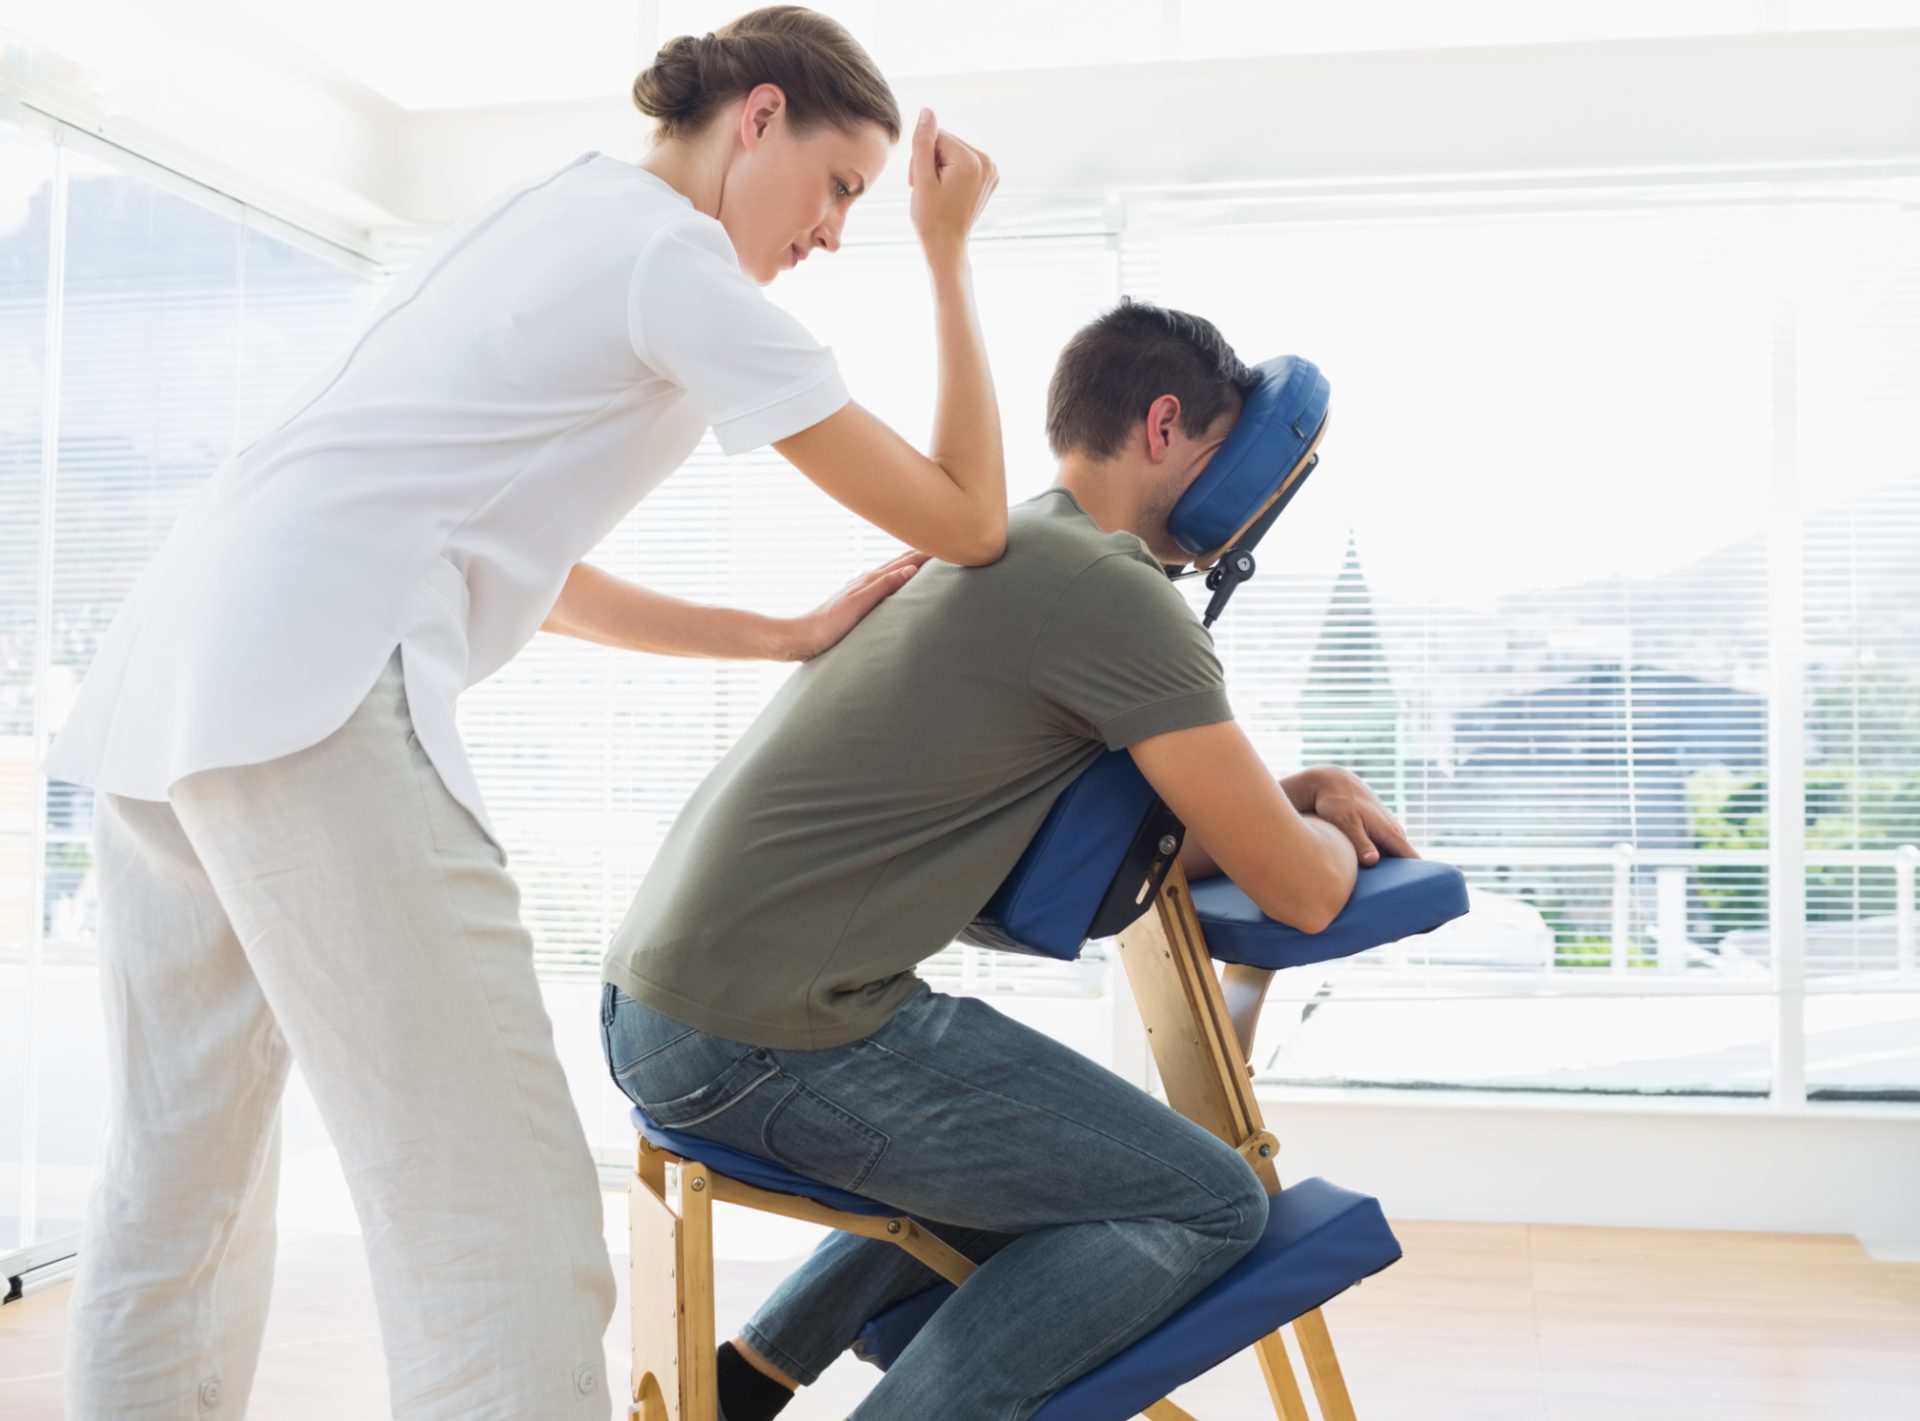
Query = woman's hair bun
x=674 y=86
x=824 y=73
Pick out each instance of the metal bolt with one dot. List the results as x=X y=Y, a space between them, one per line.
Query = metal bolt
x=1266 y=1152
x=893 y=1226
x=698 y=1185
x=1167 y=844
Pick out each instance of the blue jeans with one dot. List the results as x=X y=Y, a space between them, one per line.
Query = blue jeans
x=1094 y=1211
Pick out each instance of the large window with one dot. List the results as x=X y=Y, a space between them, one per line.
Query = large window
x=1607 y=581
x=1620 y=505
x=143 y=330
x=1617 y=482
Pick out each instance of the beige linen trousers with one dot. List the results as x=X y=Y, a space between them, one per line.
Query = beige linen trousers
x=335 y=907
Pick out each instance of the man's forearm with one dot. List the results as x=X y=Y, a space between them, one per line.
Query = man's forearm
x=1198 y=863
x=1338 y=849
x=596 y=606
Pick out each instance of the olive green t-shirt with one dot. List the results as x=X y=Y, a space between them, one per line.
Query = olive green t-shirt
x=891 y=784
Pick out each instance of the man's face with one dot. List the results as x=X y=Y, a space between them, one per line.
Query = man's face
x=1186 y=460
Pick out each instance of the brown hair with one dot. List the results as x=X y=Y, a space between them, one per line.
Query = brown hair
x=1120 y=363
x=825 y=74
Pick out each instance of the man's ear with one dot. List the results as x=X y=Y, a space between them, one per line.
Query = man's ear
x=1163 y=415
x=758 y=113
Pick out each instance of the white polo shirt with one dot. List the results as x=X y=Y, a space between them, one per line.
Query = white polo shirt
x=527 y=381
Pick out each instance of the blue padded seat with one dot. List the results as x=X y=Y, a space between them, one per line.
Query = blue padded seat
x=1394 y=899
x=1320 y=1240
x=751 y=1169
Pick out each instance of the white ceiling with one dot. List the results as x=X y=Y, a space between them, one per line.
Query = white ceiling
x=439 y=54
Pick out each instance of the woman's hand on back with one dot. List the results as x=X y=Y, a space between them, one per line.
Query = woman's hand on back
x=951 y=183
x=823 y=627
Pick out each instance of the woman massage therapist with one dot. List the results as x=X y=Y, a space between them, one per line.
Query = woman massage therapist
x=294 y=861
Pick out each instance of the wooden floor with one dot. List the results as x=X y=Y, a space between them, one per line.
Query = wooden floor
x=1486 y=1322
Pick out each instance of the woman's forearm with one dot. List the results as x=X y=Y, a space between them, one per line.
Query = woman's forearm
x=966 y=419
x=596 y=606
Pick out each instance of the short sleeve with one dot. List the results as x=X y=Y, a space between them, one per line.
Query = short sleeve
x=756 y=374
x=1121 y=657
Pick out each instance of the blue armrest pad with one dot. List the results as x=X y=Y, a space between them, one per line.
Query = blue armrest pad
x=1319 y=1241
x=1396 y=898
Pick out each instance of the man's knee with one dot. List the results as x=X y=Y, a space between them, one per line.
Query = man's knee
x=1244 y=1196
x=1253 y=1209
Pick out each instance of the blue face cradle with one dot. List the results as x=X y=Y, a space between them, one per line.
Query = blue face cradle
x=1261 y=460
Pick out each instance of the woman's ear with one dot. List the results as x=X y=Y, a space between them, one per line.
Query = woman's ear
x=763 y=106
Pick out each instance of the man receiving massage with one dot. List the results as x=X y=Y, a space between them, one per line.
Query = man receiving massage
x=761 y=991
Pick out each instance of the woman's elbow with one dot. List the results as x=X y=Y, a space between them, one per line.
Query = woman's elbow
x=985 y=543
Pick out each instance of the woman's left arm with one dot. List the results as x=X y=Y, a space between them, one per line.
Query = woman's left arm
x=596 y=606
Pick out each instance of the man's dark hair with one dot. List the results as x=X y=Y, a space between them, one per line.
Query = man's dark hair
x=1117 y=365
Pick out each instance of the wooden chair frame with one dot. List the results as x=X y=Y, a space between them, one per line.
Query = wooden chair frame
x=1200 y=1025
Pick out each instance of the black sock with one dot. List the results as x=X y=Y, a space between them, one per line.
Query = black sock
x=747 y=1393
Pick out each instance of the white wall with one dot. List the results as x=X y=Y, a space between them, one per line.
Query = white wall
x=1672 y=106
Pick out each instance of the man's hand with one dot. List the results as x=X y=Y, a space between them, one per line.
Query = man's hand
x=1344 y=800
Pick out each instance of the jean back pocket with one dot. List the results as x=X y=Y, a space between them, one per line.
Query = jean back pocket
x=676 y=1073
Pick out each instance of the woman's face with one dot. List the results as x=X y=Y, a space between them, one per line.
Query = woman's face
x=787 y=195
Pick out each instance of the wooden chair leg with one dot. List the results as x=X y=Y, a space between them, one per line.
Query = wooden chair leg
x=1164 y=1410
x=1282 y=1387
x=1244 y=990
x=653 y=1251
x=670 y=1248
x=1323 y=1367
x=699 y=1375
x=1200 y=1024
x=1195 y=1043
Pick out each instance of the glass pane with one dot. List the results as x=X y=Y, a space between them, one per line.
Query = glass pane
x=146 y=410
x=1526 y=596
x=26 y=208
x=1856 y=269
x=181 y=329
